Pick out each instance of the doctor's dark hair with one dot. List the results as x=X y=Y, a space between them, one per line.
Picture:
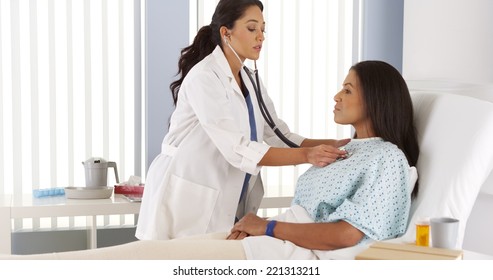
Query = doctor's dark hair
x=208 y=37
x=389 y=107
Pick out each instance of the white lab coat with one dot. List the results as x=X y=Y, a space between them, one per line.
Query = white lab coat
x=193 y=186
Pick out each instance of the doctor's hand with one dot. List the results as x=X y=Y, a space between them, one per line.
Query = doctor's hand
x=323 y=155
x=251 y=224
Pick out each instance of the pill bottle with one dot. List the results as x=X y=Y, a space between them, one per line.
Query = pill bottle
x=423 y=232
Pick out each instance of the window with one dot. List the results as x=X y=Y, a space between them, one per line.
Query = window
x=308 y=50
x=69 y=90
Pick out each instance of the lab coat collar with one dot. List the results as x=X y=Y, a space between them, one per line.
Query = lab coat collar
x=222 y=61
x=224 y=66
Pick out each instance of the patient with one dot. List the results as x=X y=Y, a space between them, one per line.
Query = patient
x=366 y=196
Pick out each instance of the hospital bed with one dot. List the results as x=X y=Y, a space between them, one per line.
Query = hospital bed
x=455 y=133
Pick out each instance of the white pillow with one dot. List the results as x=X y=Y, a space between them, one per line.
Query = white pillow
x=413 y=177
x=455 y=135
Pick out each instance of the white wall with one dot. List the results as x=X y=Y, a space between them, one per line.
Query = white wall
x=382 y=28
x=166 y=34
x=452 y=40
x=448 y=39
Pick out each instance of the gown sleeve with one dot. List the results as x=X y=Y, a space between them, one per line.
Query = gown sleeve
x=380 y=207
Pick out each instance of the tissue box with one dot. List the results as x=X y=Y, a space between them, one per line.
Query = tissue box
x=134 y=190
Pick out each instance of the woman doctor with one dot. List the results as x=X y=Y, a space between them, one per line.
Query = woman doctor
x=207 y=174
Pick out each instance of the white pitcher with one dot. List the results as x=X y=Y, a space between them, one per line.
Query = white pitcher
x=97 y=172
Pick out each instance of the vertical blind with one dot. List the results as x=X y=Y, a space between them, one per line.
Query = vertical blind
x=309 y=47
x=70 y=89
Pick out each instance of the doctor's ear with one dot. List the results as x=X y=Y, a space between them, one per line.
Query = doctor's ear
x=225 y=38
x=225 y=32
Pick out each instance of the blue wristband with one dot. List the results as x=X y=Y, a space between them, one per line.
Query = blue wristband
x=270 y=228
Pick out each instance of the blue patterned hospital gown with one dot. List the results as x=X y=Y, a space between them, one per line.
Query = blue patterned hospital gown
x=370 y=189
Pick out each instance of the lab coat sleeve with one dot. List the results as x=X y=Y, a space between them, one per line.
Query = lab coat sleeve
x=213 y=101
x=269 y=136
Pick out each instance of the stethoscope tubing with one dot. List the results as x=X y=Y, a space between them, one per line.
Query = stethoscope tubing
x=261 y=103
x=263 y=108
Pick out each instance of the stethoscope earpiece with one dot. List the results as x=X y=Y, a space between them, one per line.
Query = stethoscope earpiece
x=225 y=37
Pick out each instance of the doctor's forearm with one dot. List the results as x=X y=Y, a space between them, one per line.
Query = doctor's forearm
x=320 y=156
x=284 y=156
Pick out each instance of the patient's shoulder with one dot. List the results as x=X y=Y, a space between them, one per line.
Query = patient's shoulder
x=375 y=148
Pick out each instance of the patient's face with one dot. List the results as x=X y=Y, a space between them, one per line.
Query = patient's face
x=350 y=108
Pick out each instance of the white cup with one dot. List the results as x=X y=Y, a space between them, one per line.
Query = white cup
x=444 y=232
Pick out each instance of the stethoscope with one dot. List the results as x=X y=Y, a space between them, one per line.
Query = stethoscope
x=261 y=103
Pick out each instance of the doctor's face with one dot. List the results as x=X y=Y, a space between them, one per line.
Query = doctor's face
x=247 y=35
x=350 y=107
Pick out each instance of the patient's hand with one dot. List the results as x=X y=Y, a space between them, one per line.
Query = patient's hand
x=251 y=224
x=237 y=235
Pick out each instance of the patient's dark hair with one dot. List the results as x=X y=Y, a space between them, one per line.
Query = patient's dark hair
x=389 y=107
x=208 y=37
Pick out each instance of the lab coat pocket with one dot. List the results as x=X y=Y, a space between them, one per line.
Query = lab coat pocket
x=190 y=206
